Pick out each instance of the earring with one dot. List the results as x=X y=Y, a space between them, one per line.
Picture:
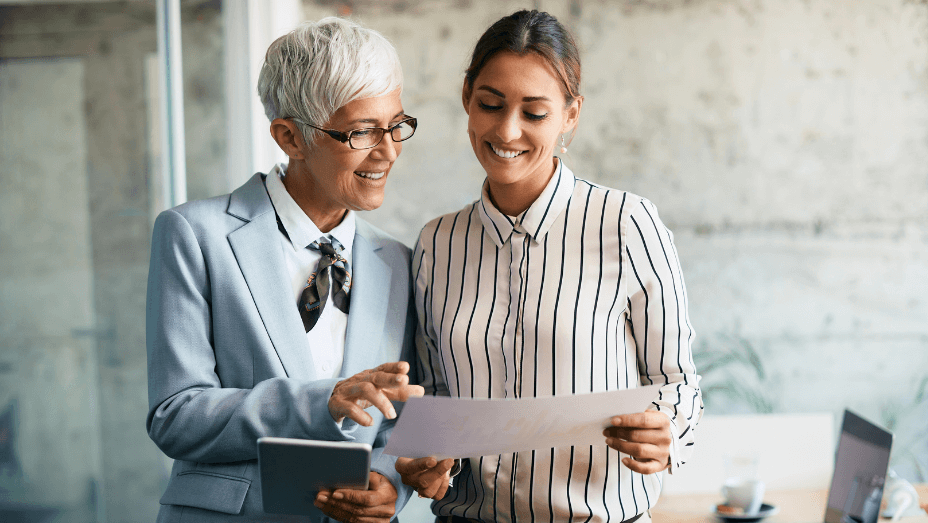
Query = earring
x=563 y=145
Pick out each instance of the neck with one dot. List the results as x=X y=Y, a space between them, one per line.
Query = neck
x=297 y=182
x=513 y=199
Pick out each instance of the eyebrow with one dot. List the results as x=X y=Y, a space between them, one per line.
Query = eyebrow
x=374 y=121
x=524 y=99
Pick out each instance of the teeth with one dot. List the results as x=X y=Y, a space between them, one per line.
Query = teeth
x=370 y=176
x=505 y=154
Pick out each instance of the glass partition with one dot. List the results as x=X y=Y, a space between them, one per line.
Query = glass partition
x=80 y=146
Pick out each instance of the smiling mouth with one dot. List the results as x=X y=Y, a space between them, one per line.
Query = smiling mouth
x=371 y=176
x=502 y=153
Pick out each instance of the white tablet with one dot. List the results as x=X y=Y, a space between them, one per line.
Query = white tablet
x=294 y=470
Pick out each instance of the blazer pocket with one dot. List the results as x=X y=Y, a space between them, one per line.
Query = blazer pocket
x=207 y=490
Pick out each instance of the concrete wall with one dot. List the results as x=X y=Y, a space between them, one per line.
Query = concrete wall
x=784 y=142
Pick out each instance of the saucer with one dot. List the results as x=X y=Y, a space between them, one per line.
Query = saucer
x=765 y=510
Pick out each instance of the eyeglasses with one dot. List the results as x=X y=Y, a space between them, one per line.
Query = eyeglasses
x=369 y=137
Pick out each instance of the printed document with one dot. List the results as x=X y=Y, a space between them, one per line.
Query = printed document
x=460 y=427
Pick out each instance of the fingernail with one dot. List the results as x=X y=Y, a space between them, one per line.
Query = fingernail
x=392 y=413
x=322 y=498
x=338 y=495
x=610 y=441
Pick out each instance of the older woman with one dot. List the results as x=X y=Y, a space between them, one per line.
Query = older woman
x=550 y=285
x=276 y=310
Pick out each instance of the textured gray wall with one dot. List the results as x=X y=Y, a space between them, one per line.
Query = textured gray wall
x=784 y=142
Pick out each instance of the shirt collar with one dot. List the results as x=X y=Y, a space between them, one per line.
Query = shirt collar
x=301 y=230
x=540 y=215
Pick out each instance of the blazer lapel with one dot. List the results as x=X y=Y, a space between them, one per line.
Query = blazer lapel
x=370 y=293
x=259 y=257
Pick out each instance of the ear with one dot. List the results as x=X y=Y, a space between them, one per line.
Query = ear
x=466 y=93
x=288 y=138
x=573 y=114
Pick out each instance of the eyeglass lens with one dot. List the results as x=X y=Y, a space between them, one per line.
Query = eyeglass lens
x=366 y=138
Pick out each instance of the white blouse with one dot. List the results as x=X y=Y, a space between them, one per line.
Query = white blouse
x=326 y=341
x=580 y=293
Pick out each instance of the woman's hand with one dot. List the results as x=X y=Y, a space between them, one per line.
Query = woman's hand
x=428 y=476
x=372 y=387
x=377 y=504
x=645 y=437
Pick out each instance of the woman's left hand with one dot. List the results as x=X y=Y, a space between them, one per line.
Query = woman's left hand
x=427 y=476
x=374 y=505
x=645 y=437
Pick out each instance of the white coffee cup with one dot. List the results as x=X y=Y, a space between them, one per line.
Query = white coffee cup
x=900 y=495
x=744 y=493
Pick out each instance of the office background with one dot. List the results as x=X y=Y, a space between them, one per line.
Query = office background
x=785 y=142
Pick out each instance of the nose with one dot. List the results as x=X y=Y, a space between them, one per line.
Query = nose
x=387 y=149
x=509 y=128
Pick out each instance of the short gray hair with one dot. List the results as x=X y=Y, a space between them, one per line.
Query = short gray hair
x=312 y=71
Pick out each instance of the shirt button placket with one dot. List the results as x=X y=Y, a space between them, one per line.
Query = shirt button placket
x=517 y=286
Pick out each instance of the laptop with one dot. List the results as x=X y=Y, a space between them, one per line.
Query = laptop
x=861 y=463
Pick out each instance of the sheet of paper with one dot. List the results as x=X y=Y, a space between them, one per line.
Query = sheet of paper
x=460 y=428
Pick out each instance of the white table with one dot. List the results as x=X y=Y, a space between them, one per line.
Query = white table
x=795 y=506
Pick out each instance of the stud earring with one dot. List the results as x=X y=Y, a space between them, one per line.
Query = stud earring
x=563 y=145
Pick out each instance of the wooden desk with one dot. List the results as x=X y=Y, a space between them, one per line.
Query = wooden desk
x=796 y=506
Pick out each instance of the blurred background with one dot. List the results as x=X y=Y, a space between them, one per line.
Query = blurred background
x=785 y=142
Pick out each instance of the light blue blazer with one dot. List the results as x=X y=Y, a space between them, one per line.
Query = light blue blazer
x=228 y=358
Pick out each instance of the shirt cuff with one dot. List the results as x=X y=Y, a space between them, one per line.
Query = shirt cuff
x=455 y=470
x=674 y=448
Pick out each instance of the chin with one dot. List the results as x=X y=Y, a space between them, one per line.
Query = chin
x=369 y=205
x=504 y=176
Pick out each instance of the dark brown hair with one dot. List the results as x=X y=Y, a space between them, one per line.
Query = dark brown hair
x=526 y=32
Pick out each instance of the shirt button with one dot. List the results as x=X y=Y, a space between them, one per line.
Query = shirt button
x=326 y=367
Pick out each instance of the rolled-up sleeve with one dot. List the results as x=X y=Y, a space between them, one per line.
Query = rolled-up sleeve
x=660 y=322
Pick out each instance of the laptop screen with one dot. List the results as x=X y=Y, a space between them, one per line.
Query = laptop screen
x=861 y=462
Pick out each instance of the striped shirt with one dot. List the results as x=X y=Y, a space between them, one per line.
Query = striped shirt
x=580 y=293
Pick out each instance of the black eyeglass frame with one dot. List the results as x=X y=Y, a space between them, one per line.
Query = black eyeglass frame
x=345 y=137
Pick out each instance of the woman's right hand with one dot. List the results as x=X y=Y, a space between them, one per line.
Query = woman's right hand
x=428 y=476
x=372 y=387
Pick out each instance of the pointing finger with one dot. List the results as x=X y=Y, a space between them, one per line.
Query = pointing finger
x=405 y=392
x=393 y=367
x=388 y=379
